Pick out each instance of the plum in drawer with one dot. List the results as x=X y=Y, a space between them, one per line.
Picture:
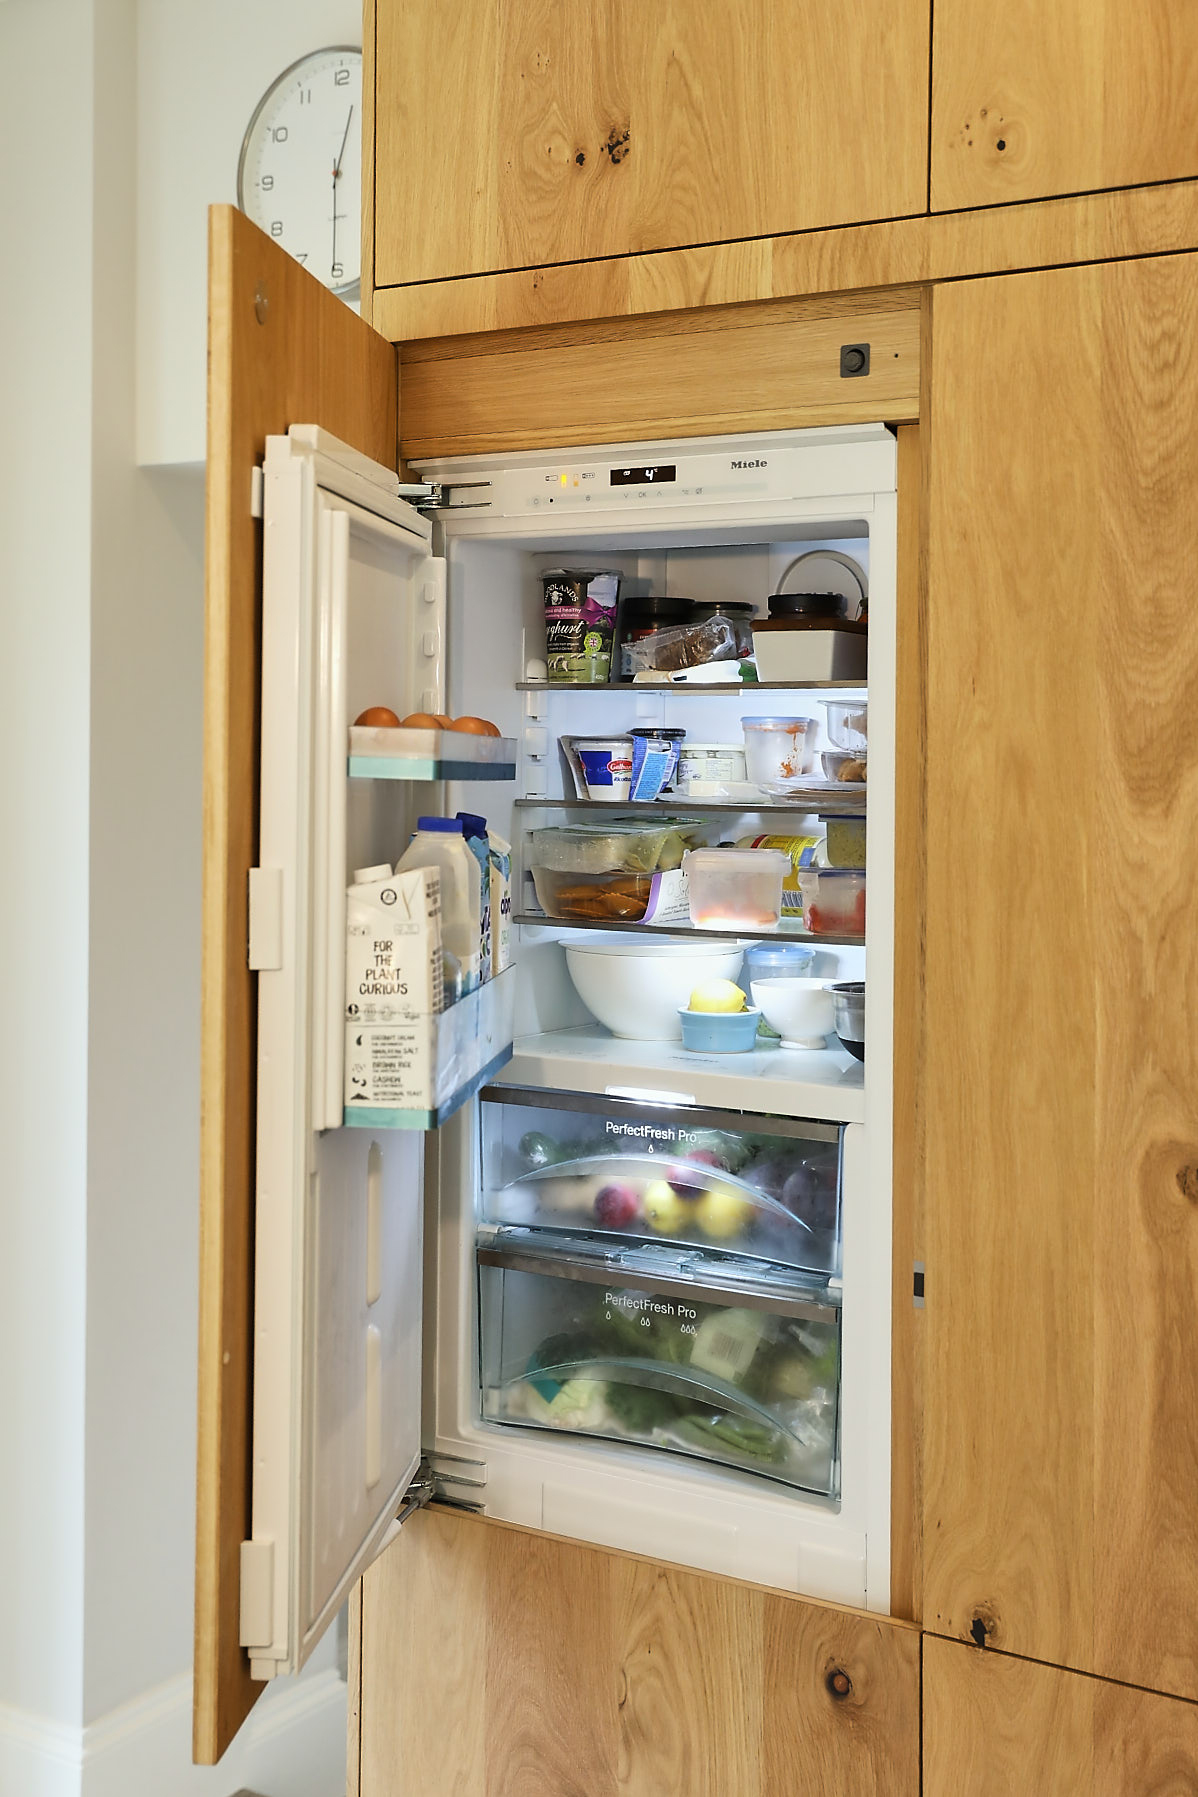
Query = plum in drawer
x=768 y=1187
x=692 y=1355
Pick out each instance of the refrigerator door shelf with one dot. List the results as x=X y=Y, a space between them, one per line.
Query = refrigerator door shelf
x=435 y=1063
x=381 y=754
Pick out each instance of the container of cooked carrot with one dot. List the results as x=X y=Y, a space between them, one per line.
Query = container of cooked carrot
x=613 y=872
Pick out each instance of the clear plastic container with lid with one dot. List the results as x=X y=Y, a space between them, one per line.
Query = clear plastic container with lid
x=778 y=748
x=736 y=889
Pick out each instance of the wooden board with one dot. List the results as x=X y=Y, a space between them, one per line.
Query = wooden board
x=1089 y=228
x=1031 y=99
x=1060 y=1058
x=609 y=127
x=906 y=1378
x=997 y=1727
x=281 y=351
x=498 y=1662
x=731 y=369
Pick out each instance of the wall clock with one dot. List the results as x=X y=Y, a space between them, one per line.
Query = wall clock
x=299 y=176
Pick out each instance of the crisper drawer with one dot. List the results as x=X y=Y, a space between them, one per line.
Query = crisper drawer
x=697 y=1357
x=768 y=1187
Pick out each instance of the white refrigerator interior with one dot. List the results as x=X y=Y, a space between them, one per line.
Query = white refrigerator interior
x=403 y=1298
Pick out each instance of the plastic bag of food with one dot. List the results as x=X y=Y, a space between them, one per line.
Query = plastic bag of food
x=684 y=646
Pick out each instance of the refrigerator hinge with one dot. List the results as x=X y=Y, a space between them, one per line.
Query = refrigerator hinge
x=444 y=1479
x=257 y=483
x=437 y=496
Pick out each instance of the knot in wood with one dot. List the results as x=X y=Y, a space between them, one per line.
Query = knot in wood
x=1187 y=1181
x=839 y=1684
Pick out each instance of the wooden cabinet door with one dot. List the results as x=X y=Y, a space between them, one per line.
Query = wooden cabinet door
x=493 y=1662
x=1057 y=1046
x=282 y=351
x=1000 y=1727
x=511 y=135
x=1031 y=98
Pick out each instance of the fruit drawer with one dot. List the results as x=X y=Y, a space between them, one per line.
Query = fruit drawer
x=765 y=1187
x=690 y=1355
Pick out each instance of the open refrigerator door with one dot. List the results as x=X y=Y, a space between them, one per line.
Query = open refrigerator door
x=350 y=588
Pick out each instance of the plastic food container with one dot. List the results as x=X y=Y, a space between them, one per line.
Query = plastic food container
x=596 y=872
x=800 y=1010
x=684 y=646
x=766 y=1187
x=848 y=725
x=846 y=842
x=580 y=623
x=848 y=1001
x=803 y=648
x=708 y=769
x=605 y=763
x=635 y=988
x=778 y=748
x=629 y=1354
x=719 y=1032
x=736 y=889
x=833 y=900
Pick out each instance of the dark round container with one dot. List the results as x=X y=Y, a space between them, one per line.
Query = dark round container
x=644 y=615
x=807 y=605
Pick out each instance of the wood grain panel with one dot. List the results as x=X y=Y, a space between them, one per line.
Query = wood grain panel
x=1001 y=1727
x=608 y=127
x=1060 y=1084
x=1088 y=228
x=906 y=1368
x=281 y=350
x=735 y=369
x=1029 y=99
x=499 y=1662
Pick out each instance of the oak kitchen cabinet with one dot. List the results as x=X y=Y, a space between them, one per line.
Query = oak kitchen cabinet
x=1031 y=99
x=1047 y=1128
x=516 y=135
x=994 y=1726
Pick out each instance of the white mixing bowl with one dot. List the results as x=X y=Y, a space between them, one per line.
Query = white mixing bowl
x=801 y=1011
x=636 y=987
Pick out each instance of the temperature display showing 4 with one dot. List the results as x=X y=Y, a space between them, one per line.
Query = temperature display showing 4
x=643 y=477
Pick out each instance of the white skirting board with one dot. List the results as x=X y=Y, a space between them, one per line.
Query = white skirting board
x=294 y=1741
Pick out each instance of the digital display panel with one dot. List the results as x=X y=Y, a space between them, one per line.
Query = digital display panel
x=643 y=477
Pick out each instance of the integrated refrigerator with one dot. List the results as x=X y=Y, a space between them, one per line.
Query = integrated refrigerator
x=441 y=1308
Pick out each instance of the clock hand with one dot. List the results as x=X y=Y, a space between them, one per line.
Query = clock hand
x=336 y=178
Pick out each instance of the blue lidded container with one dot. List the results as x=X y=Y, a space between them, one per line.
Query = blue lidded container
x=719 y=1032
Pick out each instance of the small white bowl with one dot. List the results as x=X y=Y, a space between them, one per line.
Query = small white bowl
x=801 y=1011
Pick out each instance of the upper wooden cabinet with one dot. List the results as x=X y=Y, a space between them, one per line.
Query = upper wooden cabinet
x=1031 y=99
x=1058 y=1102
x=510 y=134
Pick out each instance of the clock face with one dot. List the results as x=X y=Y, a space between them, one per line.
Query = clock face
x=300 y=174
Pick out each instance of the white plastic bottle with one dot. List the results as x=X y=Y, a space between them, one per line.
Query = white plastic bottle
x=440 y=842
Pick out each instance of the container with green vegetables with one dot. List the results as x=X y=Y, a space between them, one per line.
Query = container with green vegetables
x=690 y=1354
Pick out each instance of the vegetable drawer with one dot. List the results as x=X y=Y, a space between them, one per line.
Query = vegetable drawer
x=766 y=1187
x=692 y=1355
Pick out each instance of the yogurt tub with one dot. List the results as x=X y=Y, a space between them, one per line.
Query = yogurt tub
x=606 y=763
x=706 y=769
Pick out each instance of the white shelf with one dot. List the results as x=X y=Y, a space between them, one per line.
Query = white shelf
x=827 y=1084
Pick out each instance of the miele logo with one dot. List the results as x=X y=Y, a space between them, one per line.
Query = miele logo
x=761 y=464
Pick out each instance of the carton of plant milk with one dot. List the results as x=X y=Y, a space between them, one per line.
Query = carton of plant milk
x=394 y=984
x=499 y=853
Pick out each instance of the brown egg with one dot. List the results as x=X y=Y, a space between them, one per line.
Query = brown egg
x=378 y=717
x=422 y=720
x=474 y=726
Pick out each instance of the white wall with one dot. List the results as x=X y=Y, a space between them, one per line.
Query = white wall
x=100 y=701
x=203 y=69
x=45 y=525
